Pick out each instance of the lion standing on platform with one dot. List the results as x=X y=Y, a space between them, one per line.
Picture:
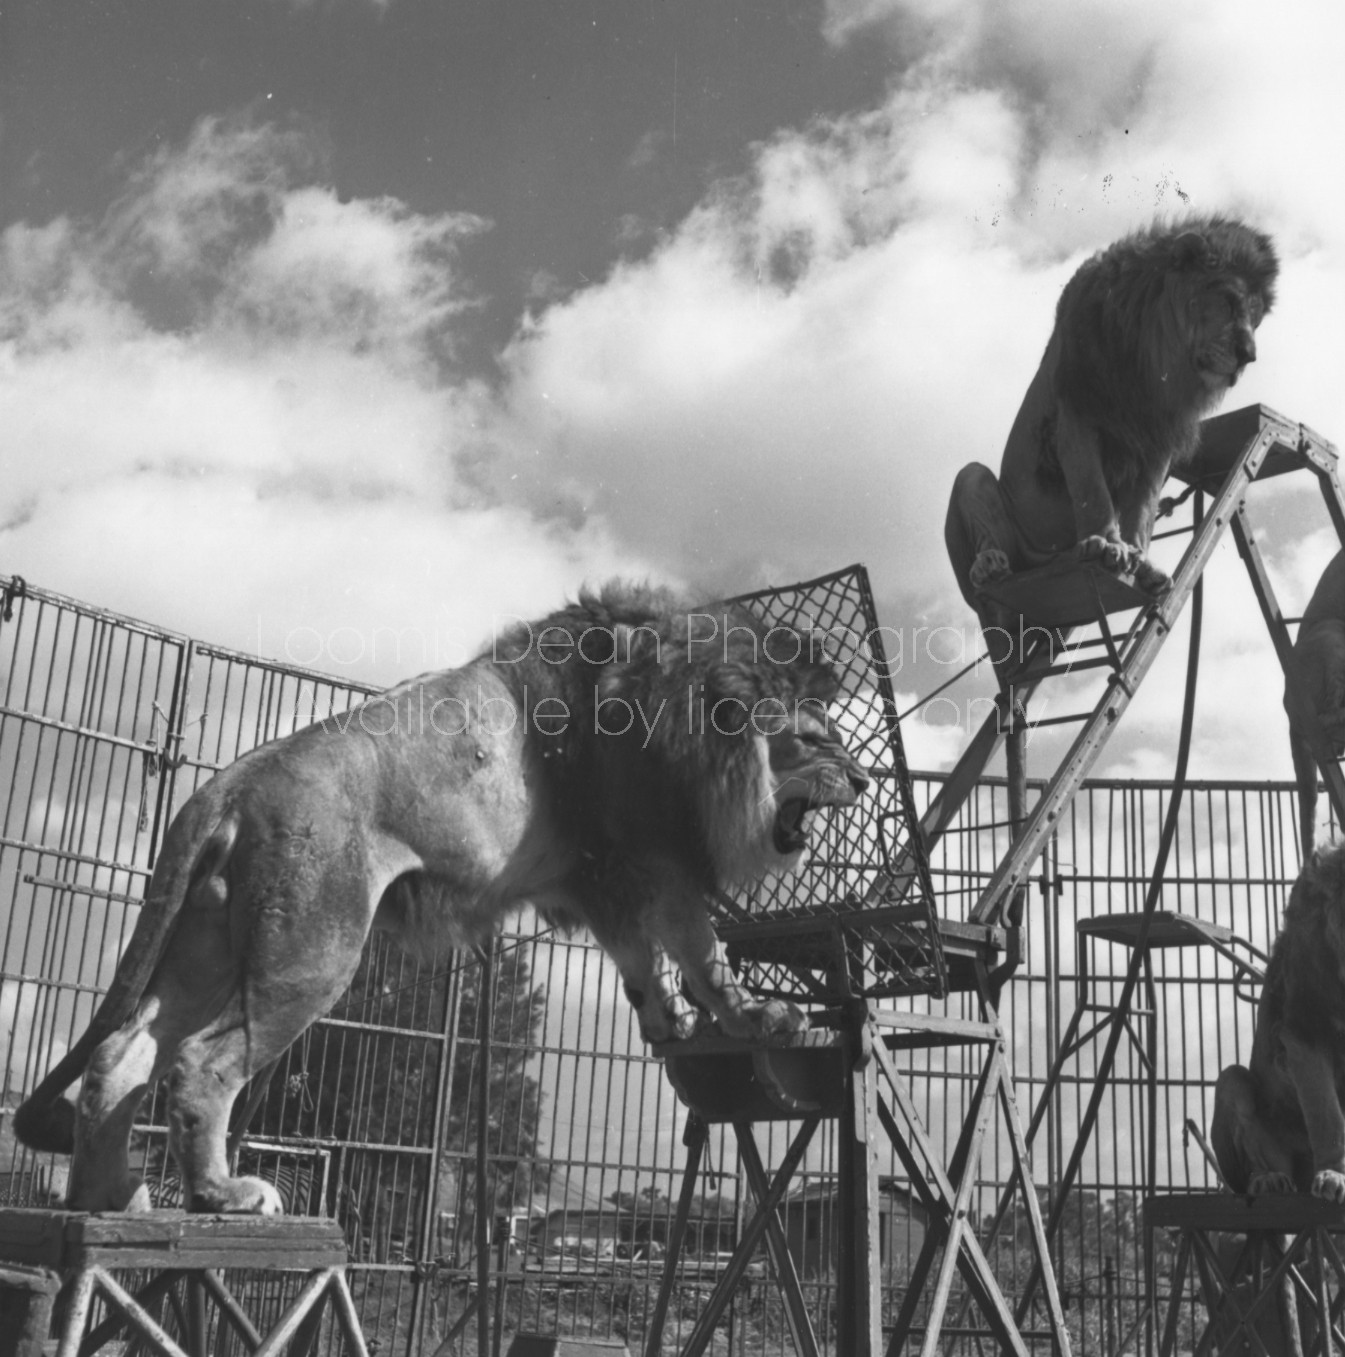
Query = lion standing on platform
x=1149 y=335
x=613 y=765
x=1278 y=1124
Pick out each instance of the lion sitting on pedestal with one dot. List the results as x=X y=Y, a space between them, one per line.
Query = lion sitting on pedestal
x=614 y=765
x=1149 y=335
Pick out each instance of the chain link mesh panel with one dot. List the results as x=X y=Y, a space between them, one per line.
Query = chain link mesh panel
x=862 y=900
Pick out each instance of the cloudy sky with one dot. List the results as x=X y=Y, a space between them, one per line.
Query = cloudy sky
x=406 y=315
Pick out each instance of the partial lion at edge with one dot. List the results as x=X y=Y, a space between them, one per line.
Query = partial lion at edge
x=1319 y=655
x=1278 y=1124
x=613 y=764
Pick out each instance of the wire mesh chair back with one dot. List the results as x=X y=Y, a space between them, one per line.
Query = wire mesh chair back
x=862 y=905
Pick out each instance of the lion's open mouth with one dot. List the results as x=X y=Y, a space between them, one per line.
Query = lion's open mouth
x=792 y=822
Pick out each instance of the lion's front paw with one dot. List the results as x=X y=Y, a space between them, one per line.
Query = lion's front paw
x=1108 y=552
x=990 y=565
x=1330 y=1184
x=758 y=1021
x=1269 y=1184
x=239 y=1196
x=1150 y=578
x=777 y=1017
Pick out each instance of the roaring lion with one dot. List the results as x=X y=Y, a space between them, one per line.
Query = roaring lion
x=1149 y=334
x=1319 y=653
x=1278 y=1125
x=612 y=765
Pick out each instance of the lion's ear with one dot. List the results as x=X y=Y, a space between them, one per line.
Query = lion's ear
x=1190 y=250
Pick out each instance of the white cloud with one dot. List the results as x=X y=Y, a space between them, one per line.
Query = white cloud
x=792 y=379
x=261 y=374
x=229 y=406
x=791 y=382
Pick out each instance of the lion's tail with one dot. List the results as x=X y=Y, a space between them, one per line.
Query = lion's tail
x=45 y=1121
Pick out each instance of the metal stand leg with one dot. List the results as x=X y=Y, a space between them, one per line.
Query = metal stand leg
x=694 y=1139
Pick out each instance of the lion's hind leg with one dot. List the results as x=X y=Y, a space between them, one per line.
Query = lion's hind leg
x=210 y=1070
x=213 y=1065
x=279 y=998
x=1252 y=1156
x=120 y=1072
x=187 y=1029
x=977 y=531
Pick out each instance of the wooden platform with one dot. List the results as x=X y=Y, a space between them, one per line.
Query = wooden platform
x=1066 y=592
x=1280 y=1213
x=54 y=1264
x=62 y=1240
x=1166 y=929
x=1223 y=438
x=724 y=1079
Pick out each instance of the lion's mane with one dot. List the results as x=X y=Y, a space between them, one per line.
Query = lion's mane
x=695 y=673
x=1127 y=339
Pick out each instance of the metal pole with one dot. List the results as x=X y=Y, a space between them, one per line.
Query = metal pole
x=484 y=1021
x=448 y=1051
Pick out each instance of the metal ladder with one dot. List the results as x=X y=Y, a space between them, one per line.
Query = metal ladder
x=1237 y=450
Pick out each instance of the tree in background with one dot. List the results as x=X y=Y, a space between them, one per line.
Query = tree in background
x=514 y=1104
x=1099 y=1254
x=712 y=1222
x=370 y=1074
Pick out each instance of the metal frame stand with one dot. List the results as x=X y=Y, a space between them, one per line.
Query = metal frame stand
x=1237 y=450
x=1141 y=934
x=849 y=1072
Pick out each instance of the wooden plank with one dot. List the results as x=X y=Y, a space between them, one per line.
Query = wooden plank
x=1167 y=929
x=279 y=1242
x=174 y=1239
x=1283 y=1213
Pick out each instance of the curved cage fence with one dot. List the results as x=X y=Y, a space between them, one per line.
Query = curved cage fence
x=106 y=727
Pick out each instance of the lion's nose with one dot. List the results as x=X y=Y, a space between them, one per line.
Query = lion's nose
x=1245 y=347
x=859 y=779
